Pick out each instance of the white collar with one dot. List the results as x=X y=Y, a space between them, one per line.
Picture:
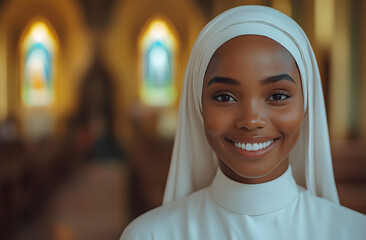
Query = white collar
x=253 y=199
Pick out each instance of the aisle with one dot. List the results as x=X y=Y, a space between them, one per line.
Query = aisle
x=92 y=204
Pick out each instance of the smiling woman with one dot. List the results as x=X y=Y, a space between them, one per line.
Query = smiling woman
x=251 y=157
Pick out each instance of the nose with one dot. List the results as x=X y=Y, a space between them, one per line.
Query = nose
x=250 y=117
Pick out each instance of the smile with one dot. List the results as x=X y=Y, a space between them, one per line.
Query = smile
x=253 y=146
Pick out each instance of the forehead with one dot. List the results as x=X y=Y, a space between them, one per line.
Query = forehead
x=252 y=50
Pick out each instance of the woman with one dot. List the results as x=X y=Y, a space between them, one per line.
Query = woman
x=251 y=158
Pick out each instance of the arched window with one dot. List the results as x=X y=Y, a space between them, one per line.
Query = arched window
x=38 y=56
x=158 y=45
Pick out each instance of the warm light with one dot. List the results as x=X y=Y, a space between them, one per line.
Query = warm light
x=39 y=32
x=157 y=51
x=158 y=30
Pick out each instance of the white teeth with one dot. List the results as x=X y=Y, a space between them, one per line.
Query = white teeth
x=253 y=146
x=248 y=147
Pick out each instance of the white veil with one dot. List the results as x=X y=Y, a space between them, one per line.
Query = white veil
x=193 y=163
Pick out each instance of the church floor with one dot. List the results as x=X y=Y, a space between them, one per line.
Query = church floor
x=92 y=204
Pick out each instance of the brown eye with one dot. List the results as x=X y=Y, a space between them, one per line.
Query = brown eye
x=224 y=98
x=278 y=97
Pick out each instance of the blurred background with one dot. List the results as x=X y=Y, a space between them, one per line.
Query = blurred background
x=89 y=93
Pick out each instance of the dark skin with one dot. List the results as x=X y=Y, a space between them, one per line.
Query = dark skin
x=252 y=108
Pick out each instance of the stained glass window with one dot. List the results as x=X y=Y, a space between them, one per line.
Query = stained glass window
x=157 y=51
x=38 y=50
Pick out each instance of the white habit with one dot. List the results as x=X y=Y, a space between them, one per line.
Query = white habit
x=279 y=209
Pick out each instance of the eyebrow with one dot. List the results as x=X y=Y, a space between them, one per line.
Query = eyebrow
x=224 y=80
x=274 y=79
x=268 y=80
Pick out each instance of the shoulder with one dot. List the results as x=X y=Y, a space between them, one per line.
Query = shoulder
x=334 y=215
x=322 y=205
x=164 y=222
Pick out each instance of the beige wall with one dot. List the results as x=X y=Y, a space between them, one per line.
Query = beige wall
x=340 y=72
x=363 y=69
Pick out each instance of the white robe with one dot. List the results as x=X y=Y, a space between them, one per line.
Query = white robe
x=278 y=209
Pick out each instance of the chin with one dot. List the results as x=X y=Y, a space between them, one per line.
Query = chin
x=253 y=173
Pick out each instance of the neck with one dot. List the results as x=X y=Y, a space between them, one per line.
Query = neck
x=253 y=199
x=269 y=176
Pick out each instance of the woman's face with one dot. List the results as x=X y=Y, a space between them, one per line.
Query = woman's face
x=252 y=108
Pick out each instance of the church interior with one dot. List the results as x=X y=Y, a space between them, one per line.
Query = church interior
x=89 y=94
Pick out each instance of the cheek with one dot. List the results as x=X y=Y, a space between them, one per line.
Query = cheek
x=216 y=122
x=289 y=121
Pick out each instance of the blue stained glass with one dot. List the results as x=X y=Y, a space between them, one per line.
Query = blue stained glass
x=38 y=55
x=158 y=65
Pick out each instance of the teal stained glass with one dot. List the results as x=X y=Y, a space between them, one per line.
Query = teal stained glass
x=158 y=66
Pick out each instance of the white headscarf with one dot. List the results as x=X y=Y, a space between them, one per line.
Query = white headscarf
x=194 y=163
